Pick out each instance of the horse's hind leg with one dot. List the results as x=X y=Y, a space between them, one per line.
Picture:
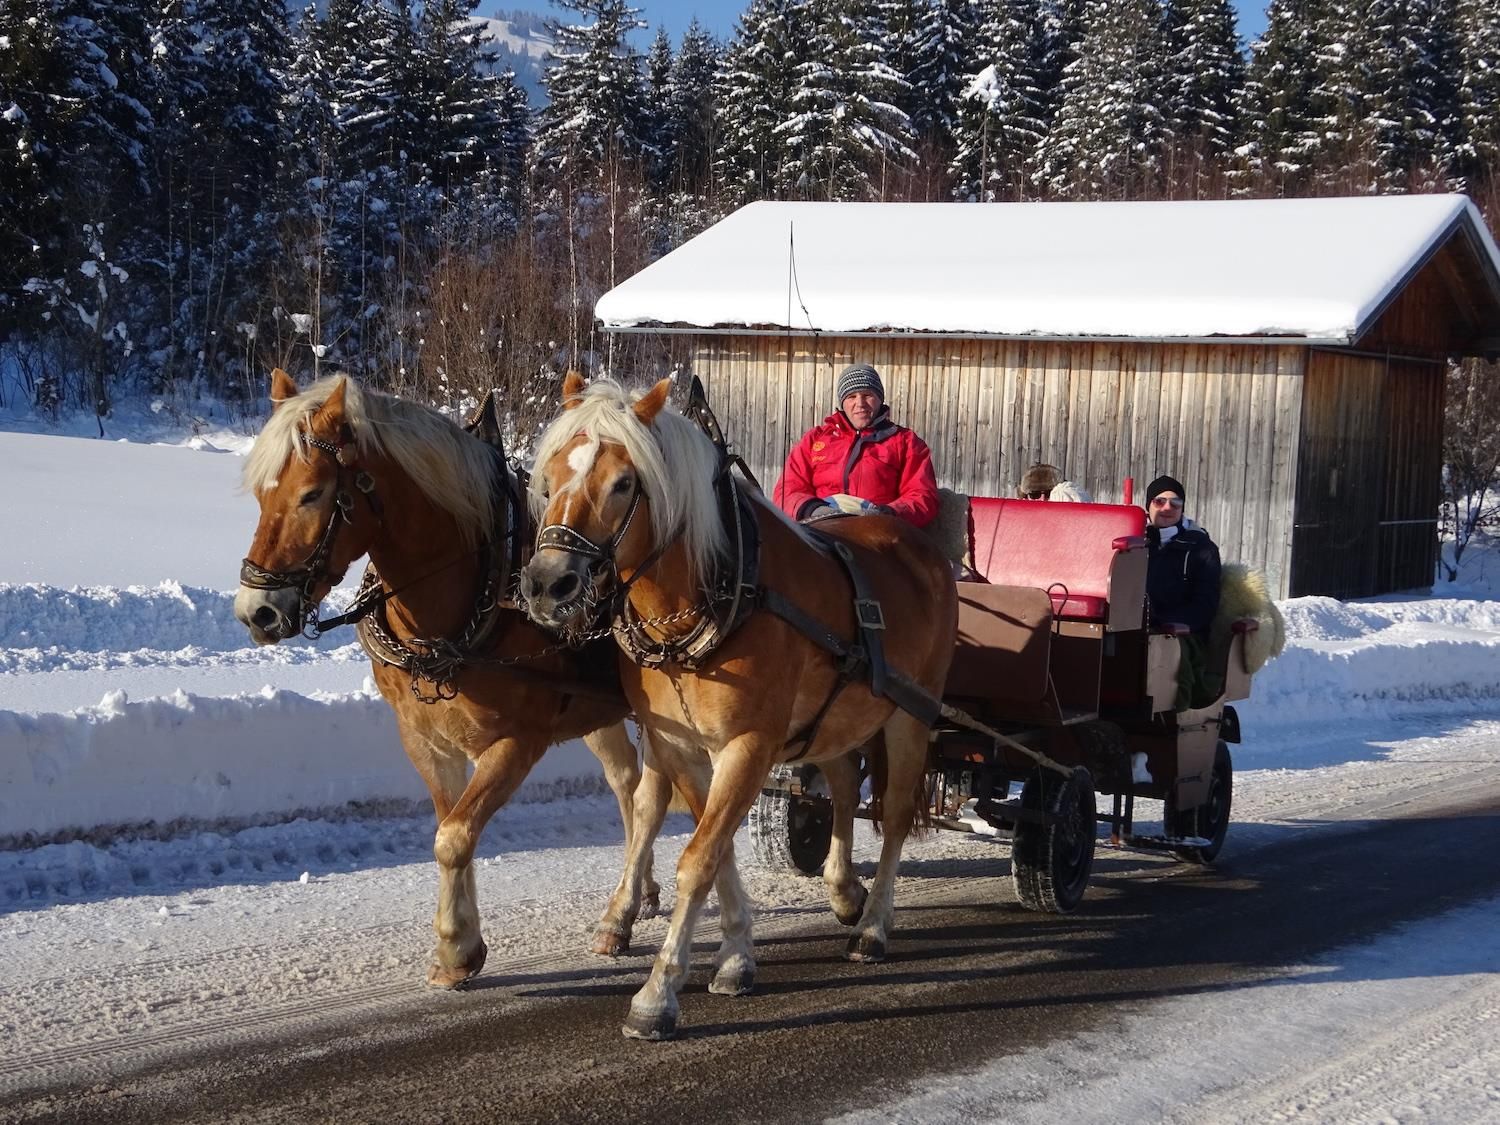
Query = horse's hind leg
x=845 y=892
x=643 y=799
x=906 y=771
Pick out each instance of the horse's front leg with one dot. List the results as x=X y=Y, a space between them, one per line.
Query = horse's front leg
x=738 y=774
x=498 y=771
x=643 y=802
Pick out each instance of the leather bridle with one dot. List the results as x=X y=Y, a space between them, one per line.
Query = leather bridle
x=305 y=577
x=602 y=563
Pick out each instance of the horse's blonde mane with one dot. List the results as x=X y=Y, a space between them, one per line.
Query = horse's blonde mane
x=674 y=462
x=452 y=469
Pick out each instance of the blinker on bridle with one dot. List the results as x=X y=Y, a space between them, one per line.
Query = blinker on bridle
x=314 y=568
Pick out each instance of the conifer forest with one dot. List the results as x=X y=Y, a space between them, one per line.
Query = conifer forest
x=195 y=191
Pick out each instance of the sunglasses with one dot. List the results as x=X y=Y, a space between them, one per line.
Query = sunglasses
x=1167 y=502
x=1037 y=495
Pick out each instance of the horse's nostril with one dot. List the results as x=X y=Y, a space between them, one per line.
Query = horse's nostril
x=264 y=617
x=564 y=586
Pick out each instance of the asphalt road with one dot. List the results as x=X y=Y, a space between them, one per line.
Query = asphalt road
x=971 y=977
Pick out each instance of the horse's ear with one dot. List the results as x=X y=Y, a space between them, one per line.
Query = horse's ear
x=573 y=385
x=484 y=423
x=283 y=387
x=649 y=405
x=330 y=415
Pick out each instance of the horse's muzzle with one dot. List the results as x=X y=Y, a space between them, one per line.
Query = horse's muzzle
x=553 y=588
x=270 y=615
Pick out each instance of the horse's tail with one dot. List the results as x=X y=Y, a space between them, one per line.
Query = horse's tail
x=875 y=762
x=875 y=766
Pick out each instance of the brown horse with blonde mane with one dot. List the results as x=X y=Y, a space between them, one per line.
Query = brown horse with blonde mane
x=629 y=494
x=341 y=472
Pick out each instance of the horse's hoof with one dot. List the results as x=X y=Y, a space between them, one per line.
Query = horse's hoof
x=733 y=982
x=650 y=904
x=456 y=976
x=849 y=911
x=653 y=1028
x=611 y=943
x=866 y=947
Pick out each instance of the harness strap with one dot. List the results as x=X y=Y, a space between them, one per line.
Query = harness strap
x=860 y=660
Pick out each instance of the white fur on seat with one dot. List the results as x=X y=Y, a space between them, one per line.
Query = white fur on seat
x=1243 y=593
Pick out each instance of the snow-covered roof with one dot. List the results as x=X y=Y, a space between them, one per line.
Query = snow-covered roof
x=1319 y=269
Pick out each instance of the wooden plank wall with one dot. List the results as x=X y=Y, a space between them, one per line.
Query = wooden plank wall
x=1223 y=419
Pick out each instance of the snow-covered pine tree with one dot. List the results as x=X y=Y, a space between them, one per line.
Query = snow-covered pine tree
x=596 y=109
x=691 y=108
x=847 y=132
x=938 y=72
x=656 y=124
x=1279 y=105
x=1001 y=116
x=471 y=109
x=1479 y=88
x=1205 y=77
x=1062 y=37
x=754 y=94
x=1410 y=99
x=227 y=70
x=35 y=98
x=1108 y=136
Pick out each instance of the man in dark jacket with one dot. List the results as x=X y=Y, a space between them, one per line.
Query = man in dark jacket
x=1182 y=585
x=860 y=460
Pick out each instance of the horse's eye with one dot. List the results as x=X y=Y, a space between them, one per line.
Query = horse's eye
x=623 y=485
x=311 y=497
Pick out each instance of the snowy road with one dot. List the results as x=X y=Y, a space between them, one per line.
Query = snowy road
x=216 y=885
x=128 y=1008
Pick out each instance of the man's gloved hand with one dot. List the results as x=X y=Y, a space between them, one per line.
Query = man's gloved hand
x=808 y=508
x=882 y=510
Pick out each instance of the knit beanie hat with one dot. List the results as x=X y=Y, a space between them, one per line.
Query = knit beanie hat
x=1040 y=478
x=858 y=377
x=1164 y=484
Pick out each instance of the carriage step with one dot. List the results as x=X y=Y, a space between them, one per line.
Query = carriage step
x=1167 y=843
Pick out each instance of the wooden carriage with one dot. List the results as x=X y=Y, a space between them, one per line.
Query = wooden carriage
x=1057 y=654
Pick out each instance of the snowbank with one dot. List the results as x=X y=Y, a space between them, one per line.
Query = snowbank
x=192 y=759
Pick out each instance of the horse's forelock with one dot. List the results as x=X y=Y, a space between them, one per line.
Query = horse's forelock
x=673 y=460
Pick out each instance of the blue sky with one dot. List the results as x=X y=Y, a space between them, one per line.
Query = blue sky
x=719 y=16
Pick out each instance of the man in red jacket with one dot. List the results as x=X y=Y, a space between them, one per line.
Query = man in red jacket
x=859 y=454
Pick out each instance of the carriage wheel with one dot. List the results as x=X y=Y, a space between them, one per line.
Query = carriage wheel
x=793 y=832
x=1210 y=820
x=1050 y=862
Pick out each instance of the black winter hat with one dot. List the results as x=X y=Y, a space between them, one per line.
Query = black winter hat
x=1164 y=484
x=858 y=377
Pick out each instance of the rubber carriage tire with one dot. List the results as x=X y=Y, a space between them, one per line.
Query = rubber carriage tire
x=788 y=832
x=1050 y=863
x=1210 y=820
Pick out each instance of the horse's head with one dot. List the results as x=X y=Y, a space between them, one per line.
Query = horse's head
x=593 y=506
x=317 y=508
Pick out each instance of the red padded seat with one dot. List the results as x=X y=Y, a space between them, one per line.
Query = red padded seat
x=1066 y=549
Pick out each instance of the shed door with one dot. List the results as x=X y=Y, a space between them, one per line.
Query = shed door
x=1367 y=476
x=1340 y=472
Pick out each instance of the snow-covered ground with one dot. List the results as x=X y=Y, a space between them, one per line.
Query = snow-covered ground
x=198 y=832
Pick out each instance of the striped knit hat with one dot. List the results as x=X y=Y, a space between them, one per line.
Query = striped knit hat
x=859 y=377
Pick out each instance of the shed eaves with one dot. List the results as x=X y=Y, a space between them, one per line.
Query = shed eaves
x=1313 y=269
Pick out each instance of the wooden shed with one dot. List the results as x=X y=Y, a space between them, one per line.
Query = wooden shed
x=1284 y=359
